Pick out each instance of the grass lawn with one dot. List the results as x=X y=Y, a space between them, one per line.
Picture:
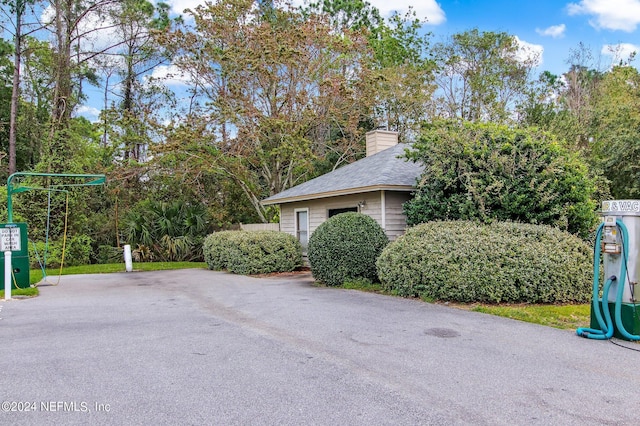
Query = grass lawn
x=52 y=274
x=558 y=316
x=35 y=275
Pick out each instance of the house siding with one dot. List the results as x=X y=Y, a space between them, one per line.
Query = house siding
x=319 y=210
x=396 y=221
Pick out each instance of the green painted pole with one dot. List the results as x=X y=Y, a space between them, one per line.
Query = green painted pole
x=96 y=180
x=9 y=202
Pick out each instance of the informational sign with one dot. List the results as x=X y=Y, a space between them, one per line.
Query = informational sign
x=10 y=239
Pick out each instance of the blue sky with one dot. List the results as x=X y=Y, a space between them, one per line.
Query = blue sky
x=555 y=26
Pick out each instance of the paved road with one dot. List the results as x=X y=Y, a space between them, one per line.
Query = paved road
x=200 y=347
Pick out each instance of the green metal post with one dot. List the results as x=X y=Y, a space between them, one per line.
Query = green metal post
x=96 y=180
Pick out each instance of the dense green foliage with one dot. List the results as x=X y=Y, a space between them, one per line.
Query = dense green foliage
x=166 y=231
x=502 y=262
x=346 y=247
x=249 y=252
x=279 y=95
x=106 y=254
x=77 y=251
x=615 y=136
x=488 y=171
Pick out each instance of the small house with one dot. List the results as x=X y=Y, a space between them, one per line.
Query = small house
x=376 y=185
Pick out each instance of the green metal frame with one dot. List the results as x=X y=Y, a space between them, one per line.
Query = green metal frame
x=91 y=180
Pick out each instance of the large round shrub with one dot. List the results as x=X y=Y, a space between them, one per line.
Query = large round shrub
x=503 y=262
x=217 y=250
x=486 y=172
x=344 y=247
x=252 y=252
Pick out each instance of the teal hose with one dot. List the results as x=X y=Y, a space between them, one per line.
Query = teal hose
x=606 y=327
x=606 y=324
x=623 y=273
x=596 y=278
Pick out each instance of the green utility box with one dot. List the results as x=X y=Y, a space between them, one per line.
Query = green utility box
x=630 y=315
x=13 y=237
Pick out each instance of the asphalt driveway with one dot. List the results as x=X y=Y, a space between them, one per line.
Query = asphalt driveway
x=201 y=347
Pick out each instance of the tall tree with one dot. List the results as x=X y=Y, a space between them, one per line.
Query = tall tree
x=5 y=95
x=482 y=75
x=403 y=71
x=614 y=131
x=137 y=24
x=348 y=14
x=281 y=89
x=578 y=96
x=564 y=104
x=17 y=9
x=71 y=23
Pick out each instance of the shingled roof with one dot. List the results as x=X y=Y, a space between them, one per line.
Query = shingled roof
x=386 y=170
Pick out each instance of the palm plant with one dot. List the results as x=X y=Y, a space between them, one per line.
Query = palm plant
x=168 y=231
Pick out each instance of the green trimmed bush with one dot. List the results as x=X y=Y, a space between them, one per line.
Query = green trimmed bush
x=465 y=261
x=216 y=249
x=487 y=172
x=346 y=247
x=247 y=252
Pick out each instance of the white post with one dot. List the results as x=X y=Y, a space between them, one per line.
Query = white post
x=383 y=208
x=128 y=263
x=7 y=275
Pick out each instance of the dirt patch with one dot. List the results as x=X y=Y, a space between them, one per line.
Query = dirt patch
x=302 y=272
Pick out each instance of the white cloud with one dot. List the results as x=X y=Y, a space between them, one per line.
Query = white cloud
x=88 y=112
x=529 y=52
x=428 y=9
x=425 y=9
x=178 y=6
x=621 y=15
x=555 y=31
x=170 y=75
x=97 y=29
x=620 y=52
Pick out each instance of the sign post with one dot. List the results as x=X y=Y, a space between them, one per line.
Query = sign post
x=9 y=241
x=7 y=275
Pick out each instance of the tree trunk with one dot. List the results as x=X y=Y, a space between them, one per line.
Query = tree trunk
x=62 y=92
x=15 y=93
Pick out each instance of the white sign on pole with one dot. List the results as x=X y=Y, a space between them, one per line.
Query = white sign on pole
x=10 y=239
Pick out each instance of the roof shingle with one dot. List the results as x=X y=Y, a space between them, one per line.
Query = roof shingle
x=387 y=169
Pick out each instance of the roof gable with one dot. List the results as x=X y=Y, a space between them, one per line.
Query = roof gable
x=384 y=170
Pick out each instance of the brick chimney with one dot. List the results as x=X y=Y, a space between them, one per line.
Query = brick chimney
x=379 y=140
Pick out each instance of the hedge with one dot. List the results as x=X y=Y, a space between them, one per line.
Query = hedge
x=248 y=252
x=465 y=261
x=345 y=247
x=487 y=172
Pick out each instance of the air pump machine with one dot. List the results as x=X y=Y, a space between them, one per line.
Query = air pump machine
x=616 y=310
